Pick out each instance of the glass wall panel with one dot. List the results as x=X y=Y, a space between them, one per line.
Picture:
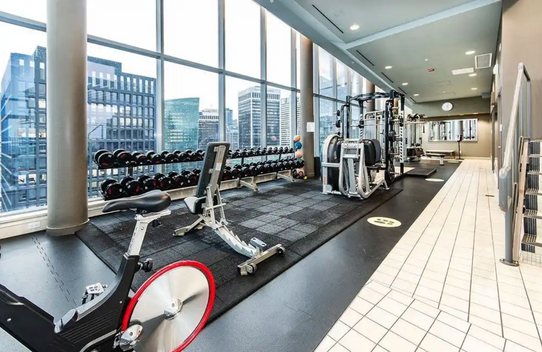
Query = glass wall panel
x=279 y=105
x=243 y=99
x=342 y=80
x=327 y=119
x=325 y=63
x=191 y=30
x=243 y=37
x=357 y=83
x=126 y=21
x=279 y=51
x=33 y=9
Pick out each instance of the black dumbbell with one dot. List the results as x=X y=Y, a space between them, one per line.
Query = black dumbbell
x=259 y=169
x=236 y=153
x=153 y=158
x=176 y=180
x=191 y=178
x=164 y=182
x=199 y=155
x=183 y=156
x=275 y=150
x=291 y=150
x=235 y=172
x=266 y=168
x=139 y=158
x=111 y=189
x=189 y=155
x=291 y=164
x=226 y=175
x=169 y=157
x=122 y=157
x=104 y=158
x=132 y=187
x=148 y=183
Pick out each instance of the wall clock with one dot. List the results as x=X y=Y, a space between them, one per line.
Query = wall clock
x=447 y=106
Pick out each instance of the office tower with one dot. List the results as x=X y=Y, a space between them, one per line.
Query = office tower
x=207 y=127
x=181 y=124
x=250 y=118
x=286 y=135
x=120 y=114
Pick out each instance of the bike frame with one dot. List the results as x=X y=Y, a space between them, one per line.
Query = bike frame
x=93 y=325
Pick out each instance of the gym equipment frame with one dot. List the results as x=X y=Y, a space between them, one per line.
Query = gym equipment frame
x=208 y=199
x=177 y=301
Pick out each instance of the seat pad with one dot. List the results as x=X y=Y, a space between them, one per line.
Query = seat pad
x=153 y=202
x=195 y=204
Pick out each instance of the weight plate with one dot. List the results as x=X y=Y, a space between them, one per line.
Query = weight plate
x=172 y=306
x=384 y=222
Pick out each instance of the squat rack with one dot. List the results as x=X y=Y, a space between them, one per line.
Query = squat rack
x=389 y=122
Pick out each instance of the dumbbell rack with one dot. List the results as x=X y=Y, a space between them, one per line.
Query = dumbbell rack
x=250 y=181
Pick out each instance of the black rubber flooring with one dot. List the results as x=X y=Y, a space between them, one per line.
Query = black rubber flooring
x=297 y=215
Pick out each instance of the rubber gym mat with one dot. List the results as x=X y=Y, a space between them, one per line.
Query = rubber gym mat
x=296 y=215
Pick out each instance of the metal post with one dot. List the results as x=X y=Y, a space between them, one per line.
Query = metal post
x=222 y=124
x=307 y=104
x=263 y=76
x=66 y=116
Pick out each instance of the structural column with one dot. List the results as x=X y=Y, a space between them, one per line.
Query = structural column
x=368 y=87
x=66 y=116
x=306 y=101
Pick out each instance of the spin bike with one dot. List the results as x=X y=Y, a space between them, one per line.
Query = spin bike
x=165 y=314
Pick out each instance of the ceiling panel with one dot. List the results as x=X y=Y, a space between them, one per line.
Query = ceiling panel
x=444 y=44
x=372 y=16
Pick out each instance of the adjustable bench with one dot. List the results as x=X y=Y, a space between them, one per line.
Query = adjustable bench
x=207 y=199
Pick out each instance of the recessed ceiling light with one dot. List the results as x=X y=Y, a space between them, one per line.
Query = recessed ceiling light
x=388 y=67
x=473 y=88
x=426 y=59
x=416 y=95
x=470 y=52
x=472 y=75
x=405 y=84
x=444 y=92
x=354 y=27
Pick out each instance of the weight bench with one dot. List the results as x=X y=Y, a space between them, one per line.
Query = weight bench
x=208 y=198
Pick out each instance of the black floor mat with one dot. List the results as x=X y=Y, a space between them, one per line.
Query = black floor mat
x=296 y=215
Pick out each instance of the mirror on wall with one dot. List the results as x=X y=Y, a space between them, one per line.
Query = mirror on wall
x=450 y=130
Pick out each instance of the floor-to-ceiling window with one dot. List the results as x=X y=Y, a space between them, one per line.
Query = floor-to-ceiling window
x=214 y=70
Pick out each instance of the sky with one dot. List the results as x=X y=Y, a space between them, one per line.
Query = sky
x=190 y=32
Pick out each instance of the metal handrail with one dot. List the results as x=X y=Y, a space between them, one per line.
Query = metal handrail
x=509 y=174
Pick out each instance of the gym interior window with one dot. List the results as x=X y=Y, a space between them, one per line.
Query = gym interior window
x=278 y=117
x=325 y=65
x=342 y=81
x=279 y=51
x=245 y=109
x=242 y=31
x=326 y=119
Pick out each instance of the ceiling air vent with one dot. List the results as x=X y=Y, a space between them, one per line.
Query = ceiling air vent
x=483 y=61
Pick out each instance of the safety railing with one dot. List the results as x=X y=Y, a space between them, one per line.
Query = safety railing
x=519 y=126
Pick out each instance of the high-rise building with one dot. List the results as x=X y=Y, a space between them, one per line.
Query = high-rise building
x=181 y=124
x=232 y=130
x=120 y=114
x=250 y=117
x=285 y=113
x=207 y=127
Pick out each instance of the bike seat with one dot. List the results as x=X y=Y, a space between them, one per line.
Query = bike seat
x=195 y=204
x=153 y=202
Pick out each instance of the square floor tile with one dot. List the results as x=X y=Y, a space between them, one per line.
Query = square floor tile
x=355 y=342
x=361 y=306
x=433 y=343
x=408 y=331
x=472 y=344
x=487 y=337
x=350 y=317
x=370 y=329
x=325 y=345
x=395 y=343
x=451 y=320
x=382 y=317
x=338 y=330
x=417 y=318
x=447 y=333
x=370 y=295
x=392 y=306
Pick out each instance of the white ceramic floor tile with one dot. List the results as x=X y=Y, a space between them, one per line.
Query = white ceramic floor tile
x=350 y=317
x=395 y=343
x=472 y=344
x=379 y=349
x=514 y=347
x=370 y=295
x=428 y=293
x=382 y=317
x=526 y=327
x=424 y=308
x=451 y=320
x=408 y=331
x=338 y=330
x=392 y=306
x=370 y=329
x=378 y=288
x=456 y=303
x=355 y=342
x=405 y=286
x=338 y=348
x=402 y=298
x=447 y=333
x=325 y=345
x=493 y=316
x=487 y=337
x=432 y=343
x=417 y=318
x=495 y=328
x=361 y=306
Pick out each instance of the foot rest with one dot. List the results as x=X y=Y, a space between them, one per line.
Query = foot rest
x=258 y=243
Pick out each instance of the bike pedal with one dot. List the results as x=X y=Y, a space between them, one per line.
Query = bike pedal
x=146 y=265
x=258 y=243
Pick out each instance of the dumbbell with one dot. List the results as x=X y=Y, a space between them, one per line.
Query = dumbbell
x=274 y=167
x=300 y=174
x=199 y=155
x=177 y=181
x=122 y=157
x=281 y=150
x=275 y=150
x=164 y=182
x=148 y=183
x=291 y=164
x=235 y=173
x=104 y=158
x=169 y=157
x=139 y=158
x=111 y=189
x=300 y=163
x=132 y=187
x=183 y=156
x=266 y=168
x=259 y=169
x=236 y=153
x=226 y=175
x=291 y=150
x=196 y=171
x=153 y=158
x=190 y=155
x=191 y=178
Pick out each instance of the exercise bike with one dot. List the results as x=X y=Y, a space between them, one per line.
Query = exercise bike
x=165 y=314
